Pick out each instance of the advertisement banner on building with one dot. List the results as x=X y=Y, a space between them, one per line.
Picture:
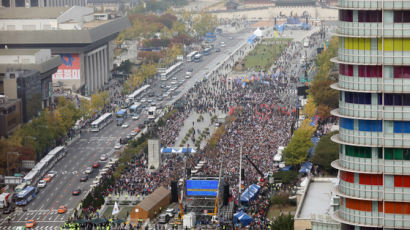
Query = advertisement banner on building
x=70 y=69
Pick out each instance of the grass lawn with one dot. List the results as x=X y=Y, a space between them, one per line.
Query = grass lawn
x=265 y=54
x=123 y=211
x=274 y=211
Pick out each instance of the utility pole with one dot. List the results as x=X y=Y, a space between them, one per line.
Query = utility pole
x=240 y=176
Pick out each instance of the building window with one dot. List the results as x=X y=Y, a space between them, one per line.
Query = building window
x=370 y=179
x=394 y=99
x=347 y=123
x=360 y=205
x=370 y=16
x=402 y=72
x=401 y=126
x=395 y=154
x=347 y=176
x=370 y=71
x=370 y=126
x=358 y=98
x=346 y=15
x=402 y=16
x=355 y=151
x=401 y=181
x=346 y=70
x=397 y=207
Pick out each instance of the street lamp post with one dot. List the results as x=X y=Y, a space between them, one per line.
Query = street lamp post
x=7 y=159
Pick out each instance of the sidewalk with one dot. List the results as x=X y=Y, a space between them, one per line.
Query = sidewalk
x=191 y=121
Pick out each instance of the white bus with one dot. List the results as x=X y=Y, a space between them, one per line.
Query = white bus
x=42 y=167
x=134 y=96
x=171 y=71
x=101 y=122
x=151 y=112
x=190 y=57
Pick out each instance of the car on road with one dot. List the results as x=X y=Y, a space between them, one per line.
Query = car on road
x=52 y=173
x=187 y=76
x=143 y=100
x=141 y=126
x=168 y=87
x=222 y=44
x=62 y=209
x=30 y=224
x=163 y=219
x=88 y=170
x=133 y=133
x=103 y=157
x=83 y=178
x=153 y=103
x=146 y=122
x=96 y=165
x=135 y=117
x=149 y=100
x=76 y=192
x=9 y=209
x=189 y=71
x=217 y=50
x=117 y=146
x=170 y=212
x=174 y=78
x=47 y=178
x=41 y=184
x=125 y=125
x=159 y=98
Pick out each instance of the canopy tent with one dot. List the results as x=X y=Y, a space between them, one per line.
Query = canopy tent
x=242 y=218
x=178 y=150
x=287 y=168
x=258 y=33
x=250 y=193
x=306 y=167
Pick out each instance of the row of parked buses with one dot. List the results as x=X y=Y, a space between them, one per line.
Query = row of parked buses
x=27 y=190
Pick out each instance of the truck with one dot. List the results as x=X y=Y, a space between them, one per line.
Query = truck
x=189 y=220
x=4 y=200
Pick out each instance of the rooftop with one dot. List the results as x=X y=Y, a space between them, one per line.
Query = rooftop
x=32 y=12
x=317 y=199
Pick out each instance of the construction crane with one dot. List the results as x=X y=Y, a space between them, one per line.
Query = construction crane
x=256 y=168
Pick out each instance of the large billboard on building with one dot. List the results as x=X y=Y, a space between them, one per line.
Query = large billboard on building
x=70 y=69
x=201 y=187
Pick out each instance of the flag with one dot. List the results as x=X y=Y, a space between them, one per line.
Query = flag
x=115 y=210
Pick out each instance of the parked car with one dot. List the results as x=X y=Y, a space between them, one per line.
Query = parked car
x=96 y=165
x=30 y=224
x=103 y=157
x=83 y=178
x=88 y=170
x=52 y=173
x=76 y=192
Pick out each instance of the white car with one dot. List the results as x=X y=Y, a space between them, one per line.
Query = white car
x=187 y=76
x=41 y=184
x=125 y=125
x=143 y=100
x=222 y=44
x=88 y=170
x=103 y=157
x=136 y=117
x=52 y=173
x=117 y=146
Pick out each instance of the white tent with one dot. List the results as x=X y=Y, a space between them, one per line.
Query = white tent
x=258 y=33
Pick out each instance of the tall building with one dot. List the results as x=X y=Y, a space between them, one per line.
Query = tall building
x=374 y=112
x=79 y=36
x=41 y=3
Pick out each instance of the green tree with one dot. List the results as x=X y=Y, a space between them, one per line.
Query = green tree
x=286 y=177
x=204 y=23
x=283 y=222
x=295 y=152
x=326 y=151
